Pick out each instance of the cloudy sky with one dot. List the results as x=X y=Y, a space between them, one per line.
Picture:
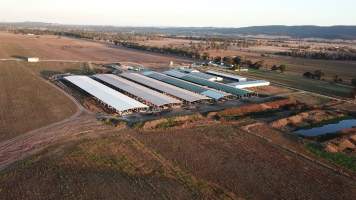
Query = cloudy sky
x=220 y=13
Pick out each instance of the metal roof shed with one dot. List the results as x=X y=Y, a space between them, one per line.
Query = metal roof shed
x=218 y=86
x=137 y=90
x=187 y=85
x=164 y=87
x=229 y=76
x=202 y=75
x=116 y=100
x=249 y=84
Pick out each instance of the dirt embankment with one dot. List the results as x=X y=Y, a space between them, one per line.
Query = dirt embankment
x=306 y=118
x=345 y=143
x=253 y=108
x=180 y=121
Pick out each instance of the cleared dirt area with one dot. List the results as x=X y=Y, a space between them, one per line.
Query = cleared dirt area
x=27 y=102
x=60 y=48
x=246 y=165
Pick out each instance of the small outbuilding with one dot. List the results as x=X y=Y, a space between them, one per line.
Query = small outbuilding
x=32 y=59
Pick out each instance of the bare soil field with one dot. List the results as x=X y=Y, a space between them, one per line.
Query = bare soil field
x=246 y=165
x=60 y=48
x=113 y=167
x=27 y=102
x=207 y=162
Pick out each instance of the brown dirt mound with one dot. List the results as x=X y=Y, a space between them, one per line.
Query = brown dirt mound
x=180 y=121
x=251 y=108
x=310 y=117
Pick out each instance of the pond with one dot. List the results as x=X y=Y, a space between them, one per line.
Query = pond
x=327 y=129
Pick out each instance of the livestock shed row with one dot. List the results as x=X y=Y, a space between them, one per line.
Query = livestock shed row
x=217 y=95
x=165 y=88
x=110 y=97
x=201 y=75
x=250 y=84
x=135 y=90
x=228 y=76
x=218 y=86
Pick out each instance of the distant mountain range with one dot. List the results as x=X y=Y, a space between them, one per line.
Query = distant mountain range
x=324 y=32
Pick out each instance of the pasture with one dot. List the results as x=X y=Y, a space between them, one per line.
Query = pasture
x=27 y=102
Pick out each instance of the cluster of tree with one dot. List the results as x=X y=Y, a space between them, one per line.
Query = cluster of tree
x=237 y=62
x=163 y=50
x=325 y=55
x=281 y=68
x=337 y=79
x=317 y=74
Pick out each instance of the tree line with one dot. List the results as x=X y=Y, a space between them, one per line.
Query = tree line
x=342 y=54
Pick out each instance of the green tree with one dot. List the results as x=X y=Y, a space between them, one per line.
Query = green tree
x=217 y=59
x=258 y=64
x=205 y=56
x=274 y=68
x=282 y=68
x=318 y=74
x=228 y=60
x=237 y=60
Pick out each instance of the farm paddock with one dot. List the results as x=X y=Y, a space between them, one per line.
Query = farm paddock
x=28 y=102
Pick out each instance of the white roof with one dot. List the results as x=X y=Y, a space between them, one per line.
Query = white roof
x=230 y=76
x=155 y=98
x=249 y=84
x=199 y=74
x=164 y=87
x=113 y=98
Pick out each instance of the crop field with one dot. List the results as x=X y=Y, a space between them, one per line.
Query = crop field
x=203 y=161
x=246 y=165
x=27 y=102
x=113 y=167
x=60 y=48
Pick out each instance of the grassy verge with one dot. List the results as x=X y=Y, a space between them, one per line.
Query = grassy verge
x=341 y=159
x=171 y=122
x=299 y=82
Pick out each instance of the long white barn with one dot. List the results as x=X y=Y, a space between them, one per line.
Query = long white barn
x=114 y=99
x=144 y=93
x=180 y=93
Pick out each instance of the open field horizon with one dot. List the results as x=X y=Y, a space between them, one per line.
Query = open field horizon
x=58 y=141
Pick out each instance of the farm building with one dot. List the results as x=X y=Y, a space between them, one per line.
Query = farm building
x=217 y=95
x=228 y=76
x=218 y=86
x=144 y=94
x=165 y=88
x=199 y=74
x=32 y=59
x=121 y=103
x=250 y=84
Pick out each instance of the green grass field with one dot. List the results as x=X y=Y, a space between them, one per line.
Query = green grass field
x=299 y=82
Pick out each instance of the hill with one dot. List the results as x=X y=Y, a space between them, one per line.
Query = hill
x=324 y=32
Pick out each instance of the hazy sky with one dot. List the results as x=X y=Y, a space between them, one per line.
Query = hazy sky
x=222 y=13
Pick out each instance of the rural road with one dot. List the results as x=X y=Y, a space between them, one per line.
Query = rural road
x=20 y=147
